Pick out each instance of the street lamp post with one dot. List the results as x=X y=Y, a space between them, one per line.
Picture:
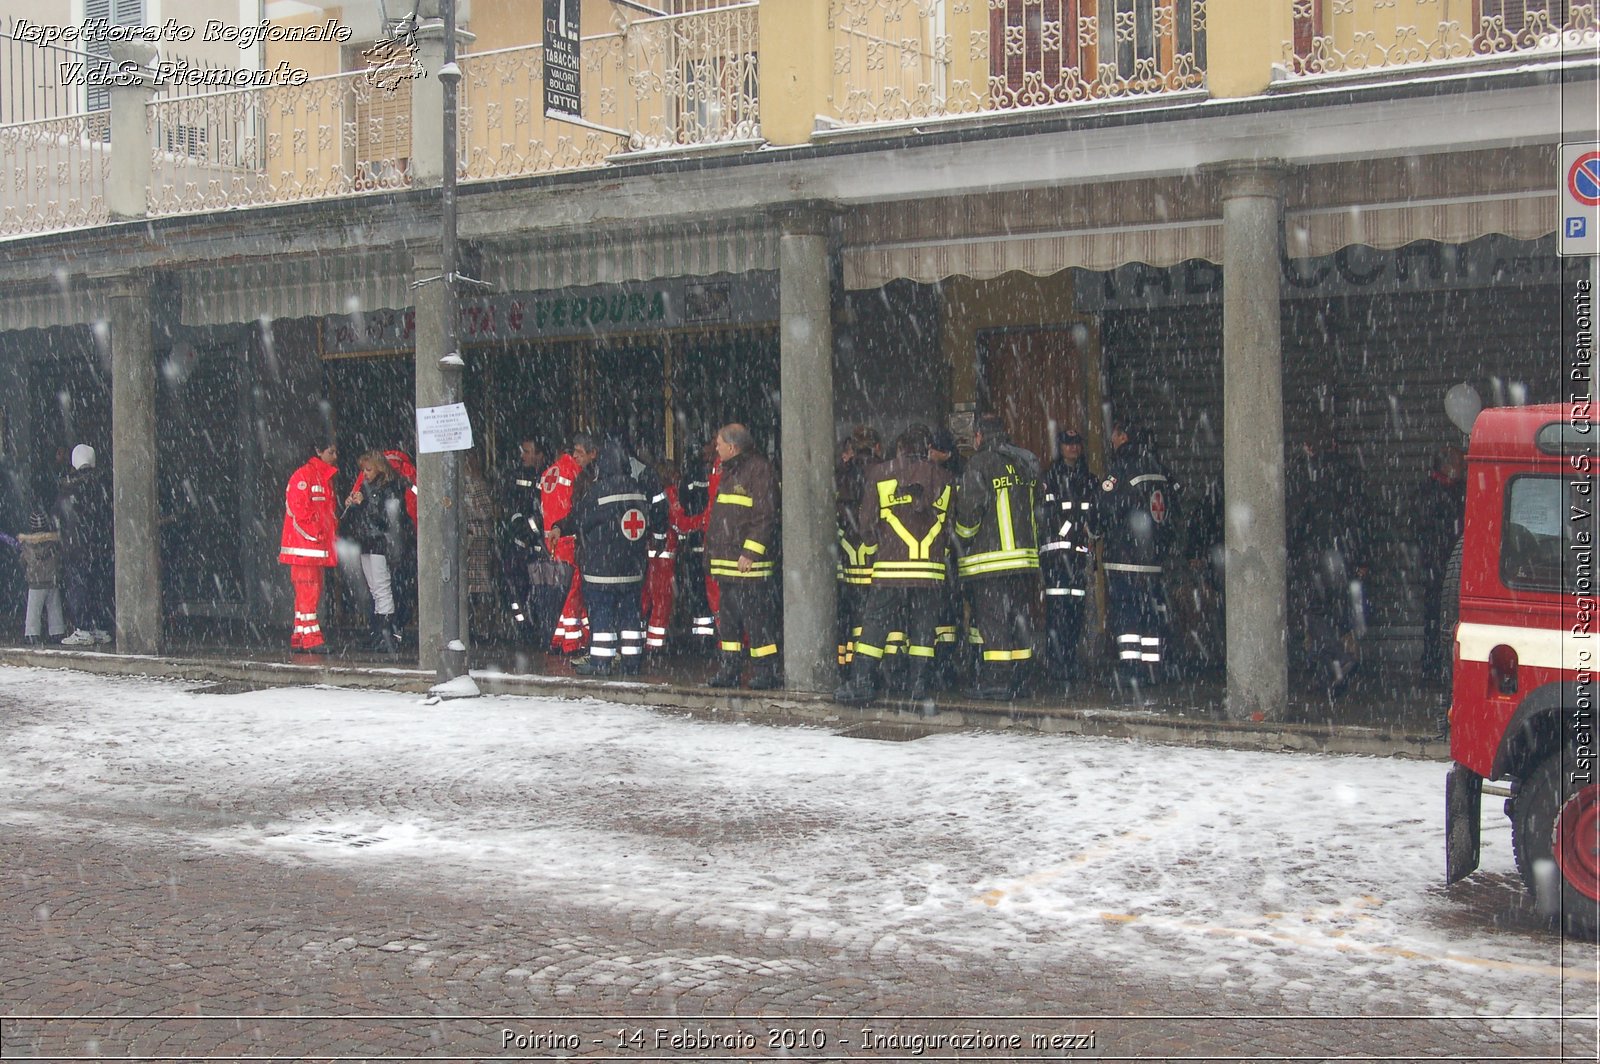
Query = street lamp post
x=453 y=652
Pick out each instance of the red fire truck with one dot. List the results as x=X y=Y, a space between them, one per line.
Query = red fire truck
x=1526 y=651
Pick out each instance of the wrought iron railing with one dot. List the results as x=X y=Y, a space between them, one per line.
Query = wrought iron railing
x=675 y=81
x=54 y=173
x=896 y=60
x=331 y=136
x=671 y=81
x=1347 y=36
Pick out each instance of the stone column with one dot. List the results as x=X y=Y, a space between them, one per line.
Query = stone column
x=806 y=416
x=435 y=505
x=133 y=468
x=127 y=191
x=1252 y=440
x=427 y=101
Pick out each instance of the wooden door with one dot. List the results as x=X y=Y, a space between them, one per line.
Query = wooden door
x=1033 y=378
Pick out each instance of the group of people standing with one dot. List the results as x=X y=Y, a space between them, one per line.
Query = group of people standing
x=936 y=552
x=925 y=539
x=600 y=545
x=378 y=516
x=67 y=558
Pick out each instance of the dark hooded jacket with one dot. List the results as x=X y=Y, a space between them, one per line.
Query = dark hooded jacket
x=1067 y=521
x=1138 y=510
x=83 y=511
x=614 y=521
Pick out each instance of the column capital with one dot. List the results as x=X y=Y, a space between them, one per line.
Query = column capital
x=431 y=31
x=1250 y=177
x=807 y=217
x=135 y=63
x=427 y=257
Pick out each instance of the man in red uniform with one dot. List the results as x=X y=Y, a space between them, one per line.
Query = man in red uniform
x=557 y=493
x=662 y=566
x=309 y=525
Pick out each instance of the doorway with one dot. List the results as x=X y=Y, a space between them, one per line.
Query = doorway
x=1033 y=377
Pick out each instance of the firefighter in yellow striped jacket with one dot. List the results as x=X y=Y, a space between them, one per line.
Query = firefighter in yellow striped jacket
x=857 y=454
x=904 y=512
x=999 y=563
x=741 y=535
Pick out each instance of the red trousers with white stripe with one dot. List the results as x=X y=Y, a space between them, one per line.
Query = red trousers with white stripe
x=657 y=601
x=572 y=630
x=307 y=581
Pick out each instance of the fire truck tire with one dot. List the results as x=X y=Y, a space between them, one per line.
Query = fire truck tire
x=1548 y=807
x=1449 y=615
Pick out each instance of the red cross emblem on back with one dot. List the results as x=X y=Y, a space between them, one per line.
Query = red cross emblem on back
x=549 y=482
x=633 y=524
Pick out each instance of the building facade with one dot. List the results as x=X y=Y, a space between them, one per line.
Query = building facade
x=1234 y=222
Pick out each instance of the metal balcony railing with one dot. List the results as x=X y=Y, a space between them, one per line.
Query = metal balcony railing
x=54 y=173
x=675 y=81
x=332 y=136
x=1351 y=36
x=896 y=60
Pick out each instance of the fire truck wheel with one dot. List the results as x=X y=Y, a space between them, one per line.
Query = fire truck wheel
x=1555 y=819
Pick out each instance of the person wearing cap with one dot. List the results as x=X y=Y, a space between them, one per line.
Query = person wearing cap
x=1138 y=510
x=853 y=571
x=696 y=585
x=523 y=542
x=994 y=520
x=1066 y=534
x=83 y=509
x=306 y=546
x=741 y=543
x=40 y=547
x=558 y=491
x=1328 y=532
x=945 y=452
x=903 y=514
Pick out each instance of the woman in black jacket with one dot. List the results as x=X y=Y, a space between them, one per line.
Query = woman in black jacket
x=377 y=520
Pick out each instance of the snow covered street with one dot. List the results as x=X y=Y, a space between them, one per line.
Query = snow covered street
x=998 y=874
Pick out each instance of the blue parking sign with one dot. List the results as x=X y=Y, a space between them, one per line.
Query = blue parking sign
x=1578 y=191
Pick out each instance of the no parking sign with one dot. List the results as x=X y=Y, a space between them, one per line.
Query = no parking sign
x=1580 y=199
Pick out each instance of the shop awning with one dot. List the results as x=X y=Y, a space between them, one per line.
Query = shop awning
x=592 y=258
x=1040 y=254
x=1383 y=203
x=1323 y=231
x=248 y=291
x=77 y=303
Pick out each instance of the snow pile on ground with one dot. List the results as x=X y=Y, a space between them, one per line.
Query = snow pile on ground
x=1318 y=878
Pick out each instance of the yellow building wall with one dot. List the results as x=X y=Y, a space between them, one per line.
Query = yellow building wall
x=796 y=68
x=1244 y=38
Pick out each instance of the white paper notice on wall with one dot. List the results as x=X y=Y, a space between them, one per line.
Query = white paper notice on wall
x=443 y=428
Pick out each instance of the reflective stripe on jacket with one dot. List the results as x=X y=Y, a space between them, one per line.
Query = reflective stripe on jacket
x=744 y=518
x=904 y=514
x=309 y=519
x=994 y=512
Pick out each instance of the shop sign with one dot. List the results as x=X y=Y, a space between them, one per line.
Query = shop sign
x=563 y=96
x=1425 y=266
x=571 y=313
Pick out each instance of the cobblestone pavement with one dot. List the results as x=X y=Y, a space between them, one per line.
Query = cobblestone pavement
x=139 y=926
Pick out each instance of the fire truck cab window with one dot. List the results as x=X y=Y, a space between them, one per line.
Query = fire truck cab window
x=1536 y=533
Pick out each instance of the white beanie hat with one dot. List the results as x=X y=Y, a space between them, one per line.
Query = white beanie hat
x=82 y=456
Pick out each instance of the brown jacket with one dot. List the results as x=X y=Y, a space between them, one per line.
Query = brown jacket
x=744 y=519
x=904 y=512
